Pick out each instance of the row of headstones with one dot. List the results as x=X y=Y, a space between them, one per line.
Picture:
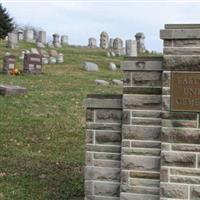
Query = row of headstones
x=32 y=64
x=32 y=60
x=47 y=58
x=132 y=47
x=41 y=40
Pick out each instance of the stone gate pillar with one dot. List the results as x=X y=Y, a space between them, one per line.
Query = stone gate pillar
x=180 y=136
x=141 y=128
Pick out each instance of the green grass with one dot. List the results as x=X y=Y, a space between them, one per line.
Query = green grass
x=42 y=134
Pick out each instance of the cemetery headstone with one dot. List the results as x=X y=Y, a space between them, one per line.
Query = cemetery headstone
x=21 y=57
x=42 y=37
x=117 y=82
x=9 y=63
x=56 y=40
x=111 y=40
x=32 y=63
x=12 y=40
x=64 y=40
x=89 y=66
x=10 y=90
x=112 y=67
x=20 y=35
x=104 y=39
x=131 y=48
x=53 y=53
x=140 y=43
x=101 y=82
x=60 y=58
x=118 y=46
x=34 y=51
x=29 y=36
x=52 y=60
x=92 y=42
x=44 y=53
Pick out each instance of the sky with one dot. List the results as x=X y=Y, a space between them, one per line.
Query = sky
x=83 y=19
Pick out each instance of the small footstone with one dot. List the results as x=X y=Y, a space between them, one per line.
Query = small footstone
x=89 y=66
x=9 y=90
x=117 y=82
x=101 y=82
x=112 y=67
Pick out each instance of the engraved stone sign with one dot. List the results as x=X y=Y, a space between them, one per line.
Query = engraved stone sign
x=185 y=91
x=32 y=64
x=9 y=63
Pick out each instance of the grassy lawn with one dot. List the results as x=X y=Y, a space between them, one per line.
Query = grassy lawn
x=42 y=133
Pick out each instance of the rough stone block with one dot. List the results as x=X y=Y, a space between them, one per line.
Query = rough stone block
x=143 y=78
x=108 y=116
x=89 y=136
x=166 y=77
x=186 y=172
x=146 y=113
x=146 y=121
x=126 y=117
x=183 y=147
x=145 y=163
x=181 y=51
x=173 y=135
x=107 y=137
x=164 y=174
x=103 y=148
x=181 y=63
x=195 y=192
x=166 y=102
x=141 y=132
x=90 y=115
x=178 y=159
x=106 y=189
x=144 y=182
x=107 y=163
x=186 y=180
x=186 y=43
x=176 y=191
x=100 y=174
x=104 y=126
x=142 y=102
x=107 y=156
x=179 y=123
x=146 y=144
x=130 y=196
x=88 y=188
x=180 y=34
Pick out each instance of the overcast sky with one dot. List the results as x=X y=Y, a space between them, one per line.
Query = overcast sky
x=83 y=20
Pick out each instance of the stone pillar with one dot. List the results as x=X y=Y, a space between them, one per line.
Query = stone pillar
x=64 y=40
x=29 y=36
x=20 y=35
x=56 y=40
x=131 y=48
x=103 y=139
x=42 y=37
x=180 y=157
x=92 y=43
x=111 y=40
x=140 y=43
x=104 y=39
x=118 y=46
x=12 y=40
x=141 y=128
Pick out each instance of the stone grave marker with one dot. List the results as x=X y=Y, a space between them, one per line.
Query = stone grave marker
x=34 y=51
x=104 y=40
x=92 y=43
x=12 y=40
x=9 y=63
x=32 y=63
x=9 y=90
x=64 y=40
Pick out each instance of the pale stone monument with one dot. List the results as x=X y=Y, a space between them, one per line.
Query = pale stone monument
x=20 y=35
x=104 y=40
x=131 y=48
x=118 y=46
x=140 y=42
x=12 y=40
x=92 y=42
x=29 y=36
x=64 y=40
x=42 y=37
x=111 y=40
x=56 y=40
